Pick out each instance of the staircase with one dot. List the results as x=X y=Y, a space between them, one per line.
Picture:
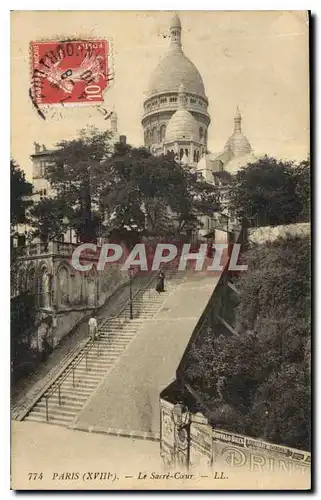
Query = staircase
x=64 y=399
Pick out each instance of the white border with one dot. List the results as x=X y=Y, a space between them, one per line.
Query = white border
x=4 y=184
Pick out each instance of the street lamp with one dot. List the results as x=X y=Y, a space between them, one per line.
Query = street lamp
x=66 y=222
x=130 y=273
x=181 y=419
x=180 y=415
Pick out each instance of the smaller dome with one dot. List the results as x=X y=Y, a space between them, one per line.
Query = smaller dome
x=238 y=144
x=182 y=125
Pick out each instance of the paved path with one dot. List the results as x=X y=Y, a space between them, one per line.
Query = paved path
x=128 y=397
x=50 y=449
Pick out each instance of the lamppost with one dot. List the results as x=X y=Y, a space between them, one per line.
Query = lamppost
x=130 y=274
x=66 y=222
x=181 y=419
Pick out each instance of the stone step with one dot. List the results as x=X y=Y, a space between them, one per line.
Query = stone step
x=83 y=386
x=75 y=391
x=62 y=411
x=53 y=419
x=115 y=335
x=54 y=401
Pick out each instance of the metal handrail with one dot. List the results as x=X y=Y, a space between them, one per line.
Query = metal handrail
x=70 y=369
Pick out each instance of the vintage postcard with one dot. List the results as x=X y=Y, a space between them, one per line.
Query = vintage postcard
x=160 y=250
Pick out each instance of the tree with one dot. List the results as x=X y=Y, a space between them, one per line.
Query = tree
x=303 y=188
x=258 y=383
x=124 y=191
x=20 y=202
x=47 y=218
x=20 y=191
x=266 y=191
x=78 y=177
x=151 y=193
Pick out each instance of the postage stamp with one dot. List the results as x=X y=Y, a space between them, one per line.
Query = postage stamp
x=69 y=72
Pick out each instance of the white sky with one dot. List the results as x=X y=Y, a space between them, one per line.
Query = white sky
x=257 y=60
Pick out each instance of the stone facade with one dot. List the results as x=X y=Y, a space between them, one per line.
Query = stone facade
x=176 y=81
x=64 y=296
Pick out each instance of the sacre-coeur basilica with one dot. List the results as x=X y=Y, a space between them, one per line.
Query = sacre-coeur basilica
x=175 y=116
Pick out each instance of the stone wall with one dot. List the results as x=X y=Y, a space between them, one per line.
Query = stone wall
x=64 y=296
x=261 y=235
x=203 y=446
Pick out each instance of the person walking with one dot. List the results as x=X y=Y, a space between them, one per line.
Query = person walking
x=160 y=282
x=92 y=324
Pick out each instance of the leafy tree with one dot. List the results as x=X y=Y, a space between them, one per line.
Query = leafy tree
x=20 y=191
x=20 y=202
x=303 y=188
x=258 y=383
x=126 y=190
x=78 y=177
x=266 y=191
x=154 y=193
x=47 y=218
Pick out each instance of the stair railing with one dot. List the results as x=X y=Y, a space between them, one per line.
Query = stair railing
x=83 y=355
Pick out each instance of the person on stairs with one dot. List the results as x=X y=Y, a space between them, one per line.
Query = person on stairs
x=92 y=324
x=160 y=282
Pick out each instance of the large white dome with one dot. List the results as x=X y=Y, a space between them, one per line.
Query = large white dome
x=172 y=71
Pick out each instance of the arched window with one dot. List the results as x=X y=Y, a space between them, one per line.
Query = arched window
x=201 y=134
x=44 y=287
x=154 y=135
x=148 y=136
x=162 y=131
x=31 y=284
x=181 y=153
x=63 y=286
x=194 y=156
x=186 y=152
x=197 y=156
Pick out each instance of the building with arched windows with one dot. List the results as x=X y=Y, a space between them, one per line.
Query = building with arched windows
x=175 y=114
x=176 y=119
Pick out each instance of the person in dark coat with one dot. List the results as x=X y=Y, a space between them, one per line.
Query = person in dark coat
x=160 y=282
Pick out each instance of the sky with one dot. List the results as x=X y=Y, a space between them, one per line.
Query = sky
x=257 y=60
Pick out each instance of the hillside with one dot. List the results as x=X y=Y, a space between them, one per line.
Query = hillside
x=258 y=383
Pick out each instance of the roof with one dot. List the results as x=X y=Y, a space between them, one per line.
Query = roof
x=182 y=125
x=175 y=68
x=238 y=144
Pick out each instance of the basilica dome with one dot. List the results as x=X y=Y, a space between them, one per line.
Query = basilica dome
x=238 y=144
x=175 y=105
x=182 y=125
x=172 y=71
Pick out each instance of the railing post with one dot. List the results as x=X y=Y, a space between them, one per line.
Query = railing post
x=59 y=395
x=47 y=416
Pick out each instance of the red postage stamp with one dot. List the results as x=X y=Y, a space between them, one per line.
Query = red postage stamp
x=69 y=72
